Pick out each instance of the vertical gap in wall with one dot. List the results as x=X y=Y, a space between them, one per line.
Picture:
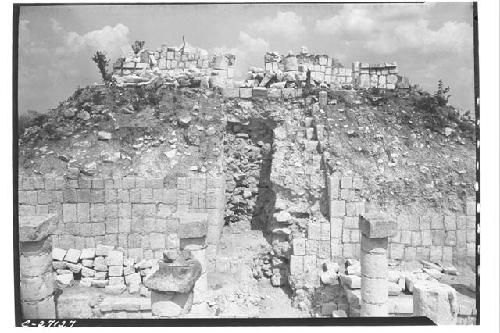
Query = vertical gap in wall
x=248 y=153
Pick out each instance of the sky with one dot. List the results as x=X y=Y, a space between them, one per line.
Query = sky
x=429 y=41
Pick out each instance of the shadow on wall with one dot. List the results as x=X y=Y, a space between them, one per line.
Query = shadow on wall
x=266 y=198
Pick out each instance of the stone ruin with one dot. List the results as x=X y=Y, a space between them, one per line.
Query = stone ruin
x=184 y=67
x=195 y=67
x=149 y=243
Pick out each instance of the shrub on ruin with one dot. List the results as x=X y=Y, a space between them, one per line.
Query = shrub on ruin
x=437 y=114
x=138 y=45
x=102 y=64
x=442 y=94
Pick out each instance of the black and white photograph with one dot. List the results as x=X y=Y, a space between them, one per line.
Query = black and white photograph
x=248 y=164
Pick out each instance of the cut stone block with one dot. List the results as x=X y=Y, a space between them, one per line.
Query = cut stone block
x=115 y=270
x=64 y=280
x=435 y=301
x=58 y=254
x=377 y=225
x=103 y=250
x=351 y=281
x=72 y=256
x=114 y=258
x=88 y=253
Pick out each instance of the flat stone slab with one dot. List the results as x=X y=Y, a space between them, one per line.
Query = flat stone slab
x=377 y=225
x=33 y=228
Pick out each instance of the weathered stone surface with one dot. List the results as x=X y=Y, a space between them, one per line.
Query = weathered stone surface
x=170 y=304
x=58 y=254
x=403 y=304
x=64 y=280
x=377 y=225
x=373 y=265
x=329 y=278
x=436 y=301
x=175 y=278
x=36 y=227
x=351 y=281
x=87 y=272
x=193 y=225
x=72 y=256
x=59 y=265
x=283 y=217
x=38 y=287
x=88 y=253
x=114 y=258
x=374 y=291
x=115 y=270
x=134 y=278
x=373 y=310
x=44 y=309
x=100 y=283
x=74 y=268
x=115 y=289
x=111 y=304
x=35 y=265
x=103 y=250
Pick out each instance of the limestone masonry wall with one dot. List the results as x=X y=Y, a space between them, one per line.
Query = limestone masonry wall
x=438 y=237
x=173 y=62
x=143 y=216
x=194 y=66
x=322 y=67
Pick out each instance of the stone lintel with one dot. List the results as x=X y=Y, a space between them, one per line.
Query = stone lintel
x=33 y=228
x=377 y=225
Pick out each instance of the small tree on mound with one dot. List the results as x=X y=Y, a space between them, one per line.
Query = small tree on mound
x=441 y=95
x=102 y=64
x=137 y=46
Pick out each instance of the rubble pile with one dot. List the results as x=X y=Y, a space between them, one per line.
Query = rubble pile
x=174 y=66
x=126 y=131
x=247 y=155
x=405 y=159
x=102 y=267
x=312 y=70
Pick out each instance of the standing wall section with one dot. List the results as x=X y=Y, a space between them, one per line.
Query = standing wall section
x=448 y=238
x=143 y=216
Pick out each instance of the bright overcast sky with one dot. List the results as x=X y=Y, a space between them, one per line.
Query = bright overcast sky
x=429 y=42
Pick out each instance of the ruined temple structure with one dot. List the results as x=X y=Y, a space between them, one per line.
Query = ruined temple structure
x=196 y=67
x=180 y=66
x=295 y=192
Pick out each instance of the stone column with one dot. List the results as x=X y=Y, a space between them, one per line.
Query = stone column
x=375 y=230
x=201 y=286
x=37 y=281
x=323 y=98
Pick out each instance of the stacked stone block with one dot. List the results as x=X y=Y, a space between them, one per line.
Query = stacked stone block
x=345 y=206
x=375 y=231
x=382 y=76
x=444 y=238
x=262 y=92
x=447 y=239
x=101 y=267
x=436 y=301
x=37 y=284
x=143 y=216
x=171 y=62
x=322 y=68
